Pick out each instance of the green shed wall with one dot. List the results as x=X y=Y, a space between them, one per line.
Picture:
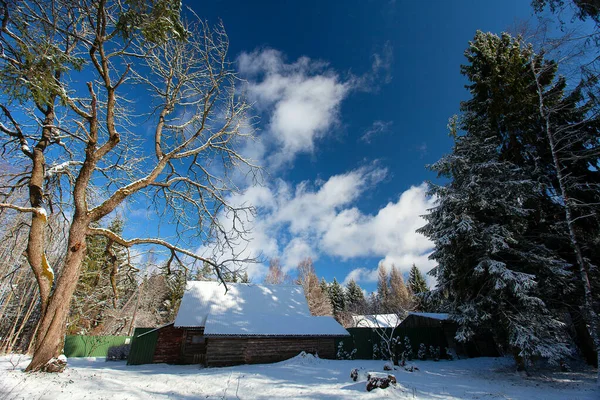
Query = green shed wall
x=91 y=346
x=142 y=347
x=363 y=339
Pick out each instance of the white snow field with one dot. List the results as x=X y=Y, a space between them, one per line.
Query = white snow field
x=298 y=378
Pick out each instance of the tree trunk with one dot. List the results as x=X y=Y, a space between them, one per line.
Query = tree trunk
x=51 y=331
x=588 y=303
x=36 y=242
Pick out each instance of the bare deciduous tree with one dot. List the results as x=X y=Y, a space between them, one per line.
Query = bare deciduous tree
x=275 y=274
x=572 y=143
x=105 y=102
x=318 y=302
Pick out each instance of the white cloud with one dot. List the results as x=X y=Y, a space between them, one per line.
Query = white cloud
x=302 y=100
x=313 y=219
x=295 y=251
x=361 y=275
x=391 y=231
x=309 y=210
x=380 y=73
x=376 y=128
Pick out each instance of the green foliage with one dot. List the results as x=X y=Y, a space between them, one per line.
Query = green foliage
x=244 y=278
x=176 y=283
x=490 y=225
x=324 y=286
x=336 y=295
x=416 y=281
x=355 y=299
x=583 y=8
x=156 y=20
x=383 y=290
x=94 y=293
x=37 y=57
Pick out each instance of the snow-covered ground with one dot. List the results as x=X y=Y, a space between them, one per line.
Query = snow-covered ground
x=298 y=378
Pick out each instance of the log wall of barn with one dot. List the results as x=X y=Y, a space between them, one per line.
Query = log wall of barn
x=194 y=347
x=168 y=345
x=256 y=350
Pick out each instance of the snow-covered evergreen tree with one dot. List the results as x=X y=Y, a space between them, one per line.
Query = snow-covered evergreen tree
x=383 y=290
x=336 y=294
x=416 y=281
x=422 y=353
x=324 y=286
x=419 y=290
x=490 y=265
x=355 y=299
x=408 y=350
x=373 y=305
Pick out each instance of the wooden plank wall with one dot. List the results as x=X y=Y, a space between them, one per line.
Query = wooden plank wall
x=194 y=353
x=168 y=345
x=255 y=350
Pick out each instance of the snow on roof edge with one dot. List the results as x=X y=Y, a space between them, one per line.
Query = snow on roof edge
x=438 y=316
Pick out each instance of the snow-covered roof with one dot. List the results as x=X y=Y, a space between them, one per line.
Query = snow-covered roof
x=376 y=321
x=438 y=316
x=251 y=310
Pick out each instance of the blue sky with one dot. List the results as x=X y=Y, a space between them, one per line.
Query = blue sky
x=353 y=99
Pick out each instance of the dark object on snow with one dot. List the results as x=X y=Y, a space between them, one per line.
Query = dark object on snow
x=117 y=353
x=379 y=380
x=387 y=367
x=354 y=374
x=412 y=368
x=55 y=365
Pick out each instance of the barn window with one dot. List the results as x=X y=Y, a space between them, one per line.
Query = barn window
x=197 y=339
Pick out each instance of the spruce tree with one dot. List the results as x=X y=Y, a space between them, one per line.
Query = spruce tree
x=355 y=299
x=491 y=265
x=416 y=281
x=419 y=289
x=245 y=278
x=324 y=286
x=336 y=294
x=373 y=306
x=383 y=290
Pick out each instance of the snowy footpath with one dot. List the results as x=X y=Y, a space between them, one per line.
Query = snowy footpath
x=298 y=378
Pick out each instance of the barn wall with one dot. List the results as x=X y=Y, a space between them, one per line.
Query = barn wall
x=194 y=347
x=169 y=345
x=142 y=346
x=255 y=350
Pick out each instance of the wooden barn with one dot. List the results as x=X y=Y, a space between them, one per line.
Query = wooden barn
x=248 y=324
x=431 y=329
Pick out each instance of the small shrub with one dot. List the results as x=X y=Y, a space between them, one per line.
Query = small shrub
x=343 y=354
x=376 y=352
x=117 y=353
x=450 y=354
x=422 y=354
x=408 y=349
